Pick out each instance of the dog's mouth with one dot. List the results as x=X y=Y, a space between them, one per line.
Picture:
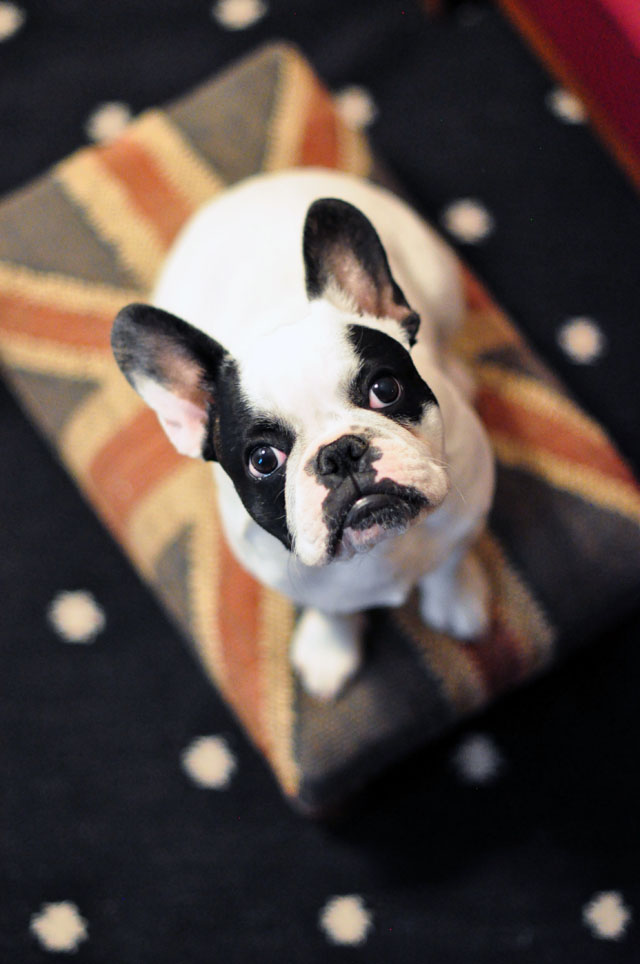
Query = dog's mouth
x=373 y=517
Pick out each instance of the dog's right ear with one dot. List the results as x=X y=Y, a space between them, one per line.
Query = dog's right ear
x=174 y=367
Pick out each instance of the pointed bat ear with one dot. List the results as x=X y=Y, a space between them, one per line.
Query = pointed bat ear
x=344 y=258
x=174 y=368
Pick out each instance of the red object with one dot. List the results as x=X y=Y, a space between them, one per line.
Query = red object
x=593 y=47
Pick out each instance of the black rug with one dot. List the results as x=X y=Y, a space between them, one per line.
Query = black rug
x=127 y=837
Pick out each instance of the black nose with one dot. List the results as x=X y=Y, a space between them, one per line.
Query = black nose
x=342 y=456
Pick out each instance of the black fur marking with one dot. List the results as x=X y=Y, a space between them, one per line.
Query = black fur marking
x=235 y=429
x=411 y=324
x=380 y=355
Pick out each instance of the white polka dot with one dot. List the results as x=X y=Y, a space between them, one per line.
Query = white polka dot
x=477 y=759
x=107 y=121
x=582 y=340
x=11 y=19
x=467 y=220
x=356 y=107
x=209 y=762
x=76 y=616
x=346 y=920
x=238 y=14
x=59 y=927
x=566 y=106
x=606 y=916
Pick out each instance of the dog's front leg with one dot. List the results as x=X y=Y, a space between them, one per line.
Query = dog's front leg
x=455 y=597
x=326 y=650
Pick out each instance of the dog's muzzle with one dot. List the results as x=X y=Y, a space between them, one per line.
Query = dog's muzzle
x=374 y=516
x=360 y=510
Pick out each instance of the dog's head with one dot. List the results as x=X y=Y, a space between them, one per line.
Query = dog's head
x=331 y=437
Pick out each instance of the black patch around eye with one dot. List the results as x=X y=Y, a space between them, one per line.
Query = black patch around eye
x=382 y=357
x=235 y=430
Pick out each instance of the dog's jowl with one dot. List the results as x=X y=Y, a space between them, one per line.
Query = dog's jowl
x=298 y=340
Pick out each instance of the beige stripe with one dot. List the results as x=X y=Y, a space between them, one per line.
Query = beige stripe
x=98 y=419
x=353 y=152
x=492 y=320
x=290 y=113
x=276 y=627
x=35 y=354
x=448 y=661
x=539 y=398
x=108 y=209
x=62 y=292
x=588 y=484
x=517 y=608
x=187 y=172
x=478 y=334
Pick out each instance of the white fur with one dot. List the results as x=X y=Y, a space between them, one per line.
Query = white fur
x=218 y=279
x=326 y=650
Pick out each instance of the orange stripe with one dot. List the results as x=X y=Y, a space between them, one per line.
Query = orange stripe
x=83 y=330
x=131 y=463
x=320 y=140
x=542 y=431
x=238 y=623
x=151 y=193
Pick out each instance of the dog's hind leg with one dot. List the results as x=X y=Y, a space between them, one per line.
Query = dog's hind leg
x=455 y=598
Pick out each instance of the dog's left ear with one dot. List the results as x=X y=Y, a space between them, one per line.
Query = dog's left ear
x=343 y=256
x=174 y=367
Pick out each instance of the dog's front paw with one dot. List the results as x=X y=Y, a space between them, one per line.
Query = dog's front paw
x=326 y=651
x=457 y=602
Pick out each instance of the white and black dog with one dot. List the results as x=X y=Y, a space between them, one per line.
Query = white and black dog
x=310 y=368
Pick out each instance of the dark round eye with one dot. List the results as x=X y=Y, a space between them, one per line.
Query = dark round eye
x=384 y=391
x=264 y=460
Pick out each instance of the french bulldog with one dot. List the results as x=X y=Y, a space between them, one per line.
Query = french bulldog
x=297 y=338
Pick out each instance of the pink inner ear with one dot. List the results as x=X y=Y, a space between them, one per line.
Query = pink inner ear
x=352 y=280
x=184 y=421
x=370 y=297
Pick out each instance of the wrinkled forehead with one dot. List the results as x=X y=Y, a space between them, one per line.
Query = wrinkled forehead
x=300 y=372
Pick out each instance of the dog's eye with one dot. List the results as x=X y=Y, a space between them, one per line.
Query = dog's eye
x=264 y=460
x=384 y=391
